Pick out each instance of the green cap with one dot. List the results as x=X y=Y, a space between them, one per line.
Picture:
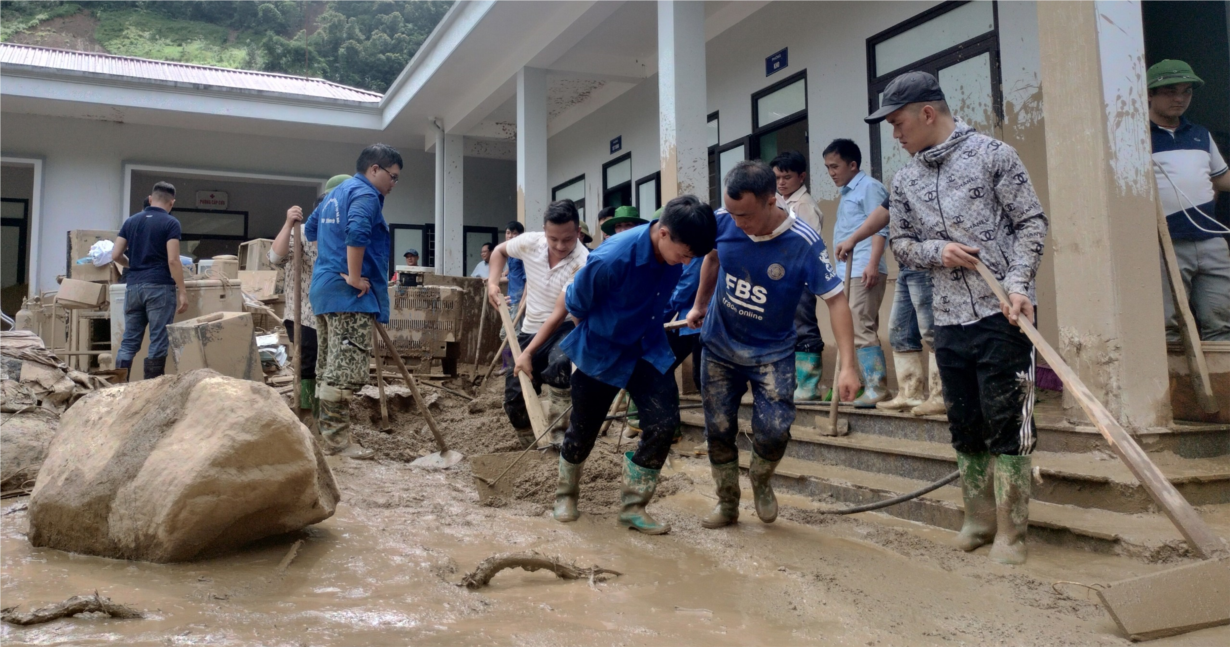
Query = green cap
x=626 y=213
x=1171 y=72
x=585 y=237
x=334 y=181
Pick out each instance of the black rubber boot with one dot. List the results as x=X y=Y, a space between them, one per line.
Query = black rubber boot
x=155 y=367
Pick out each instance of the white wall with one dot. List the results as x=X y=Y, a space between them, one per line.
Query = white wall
x=266 y=204
x=84 y=172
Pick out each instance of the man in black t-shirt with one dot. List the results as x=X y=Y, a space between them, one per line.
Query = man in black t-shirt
x=148 y=245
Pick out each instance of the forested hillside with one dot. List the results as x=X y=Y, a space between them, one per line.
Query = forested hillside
x=361 y=44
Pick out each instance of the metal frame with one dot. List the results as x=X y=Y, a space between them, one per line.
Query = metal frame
x=23 y=244
x=427 y=256
x=34 y=216
x=656 y=176
x=580 y=204
x=788 y=120
x=607 y=190
x=477 y=229
x=715 y=172
x=976 y=46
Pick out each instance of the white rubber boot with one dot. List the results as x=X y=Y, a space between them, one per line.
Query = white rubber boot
x=909 y=382
x=934 y=406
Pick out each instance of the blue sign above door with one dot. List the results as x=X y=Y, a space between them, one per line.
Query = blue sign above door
x=617 y=144
x=776 y=61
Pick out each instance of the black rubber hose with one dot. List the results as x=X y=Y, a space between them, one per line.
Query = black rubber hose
x=868 y=507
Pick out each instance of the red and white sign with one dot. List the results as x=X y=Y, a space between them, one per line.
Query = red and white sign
x=211 y=200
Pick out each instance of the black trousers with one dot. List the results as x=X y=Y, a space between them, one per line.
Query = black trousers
x=806 y=326
x=988 y=372
x=551 y=366
x=657 y=400
x=307 y=369
x=682 y=346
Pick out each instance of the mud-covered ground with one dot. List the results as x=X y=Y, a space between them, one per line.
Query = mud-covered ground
x=384 y=570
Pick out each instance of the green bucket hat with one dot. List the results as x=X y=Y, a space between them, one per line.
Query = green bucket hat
x=1170 y=72
x=334 y=181
x=622 y=215
x=585 y=237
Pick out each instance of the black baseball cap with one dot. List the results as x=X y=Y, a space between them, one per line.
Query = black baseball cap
x=911 y=87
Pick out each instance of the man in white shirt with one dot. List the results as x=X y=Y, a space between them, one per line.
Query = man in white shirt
x=480 y=270
x=790 y=168
x=551 y=258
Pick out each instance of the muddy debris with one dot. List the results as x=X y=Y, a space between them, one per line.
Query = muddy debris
x=533 y=561
x=93 y=605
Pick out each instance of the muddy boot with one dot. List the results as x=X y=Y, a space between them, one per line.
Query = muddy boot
x=726 y=512
x=909 y=382
x=760 y=473
x=634 y=422
x=335 y=423
x=875 y=377
x=978 y=490
x=567 y=489
x=525 y=436
x=934 y=406
x=307 y=396
x=639 y=486
x=807 y=368
x=1012 y=508
x=155 y=367
x=554 y=402
x=124 y=365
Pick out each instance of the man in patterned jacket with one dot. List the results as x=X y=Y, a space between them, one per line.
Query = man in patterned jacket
x=966 y=197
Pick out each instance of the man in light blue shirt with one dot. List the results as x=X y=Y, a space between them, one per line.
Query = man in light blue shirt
x=860 y=195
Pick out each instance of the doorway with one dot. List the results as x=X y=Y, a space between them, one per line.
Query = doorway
x=473 y=239
x=18 y=231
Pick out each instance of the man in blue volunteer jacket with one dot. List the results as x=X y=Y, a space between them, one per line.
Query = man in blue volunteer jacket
x=750 y=286
x=349 y=287
x=619 y=299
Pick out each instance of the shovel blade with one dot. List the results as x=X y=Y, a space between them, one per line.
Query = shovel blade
x=439 y=460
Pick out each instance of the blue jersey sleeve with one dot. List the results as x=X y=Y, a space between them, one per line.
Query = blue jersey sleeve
x=592 y=279
x=822 y=279
x=311 y=226
x=359 y=219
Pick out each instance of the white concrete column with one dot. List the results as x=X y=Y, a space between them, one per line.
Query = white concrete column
x=1103 y=213
x=450 y=166
x=533 y=195
x=681 y=99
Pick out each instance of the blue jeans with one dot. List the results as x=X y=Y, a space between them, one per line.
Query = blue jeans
x=723 y=385
x=147 y=303
x=912 y=324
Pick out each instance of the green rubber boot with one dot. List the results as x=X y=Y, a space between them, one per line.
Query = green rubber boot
x=726 y=512
x=807 y=367
x=760 y=473
x=307 y=397
x=639 y=486
x=978 y=490
x=567 y=489
x=1012 y=508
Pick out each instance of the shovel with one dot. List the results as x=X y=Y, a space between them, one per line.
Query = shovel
x=444 y=458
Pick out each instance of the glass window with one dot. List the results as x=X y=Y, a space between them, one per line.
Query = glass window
x=781 y=103
x=619 y=173
x=404 y=239
x=727 y=160
x=935 y=35
x=892 y=156
x=194 y=222
x=647 y=195
x=574 y=190
x=712 y=127
x=967 y=87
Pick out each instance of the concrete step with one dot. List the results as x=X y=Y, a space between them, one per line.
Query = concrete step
x=1148 y=537
x=1087 y=480
x=1188 y=440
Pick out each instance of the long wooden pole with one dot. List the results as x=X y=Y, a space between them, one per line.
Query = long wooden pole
x=837 y=366
x=296 y=243
x=1194 y=529
x=478 y=348
x=1192 y=346
x=532 y=405
x=378 y=350
x=500 y=350
x=414 y=388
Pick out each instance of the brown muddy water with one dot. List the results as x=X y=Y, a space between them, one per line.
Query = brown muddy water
x=383 y=571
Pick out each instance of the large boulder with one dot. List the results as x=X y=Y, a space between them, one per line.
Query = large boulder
x=178 y=468
x=24 y=440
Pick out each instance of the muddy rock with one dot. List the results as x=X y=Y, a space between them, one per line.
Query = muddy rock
x=178 y=468
x=24 y=440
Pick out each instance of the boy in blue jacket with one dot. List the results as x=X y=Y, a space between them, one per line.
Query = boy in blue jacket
x=619 y=299
x=349 y=287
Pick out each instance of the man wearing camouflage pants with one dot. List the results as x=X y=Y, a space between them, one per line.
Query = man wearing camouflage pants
x=350 y=287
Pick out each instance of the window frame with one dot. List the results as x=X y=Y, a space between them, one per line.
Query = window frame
x=607 y=190
x=656 y=176
x=715 y=170
x=477 y=229
x=23 y=225
x=187 y=236
x=753 y=150
x=746 y=143
x=985 y=43
x=427 y=255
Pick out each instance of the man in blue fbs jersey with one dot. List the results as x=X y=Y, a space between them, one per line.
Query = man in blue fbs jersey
x=618 y=300
x=749 y=287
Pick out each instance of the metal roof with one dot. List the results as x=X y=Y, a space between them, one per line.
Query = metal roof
x=146 y=69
